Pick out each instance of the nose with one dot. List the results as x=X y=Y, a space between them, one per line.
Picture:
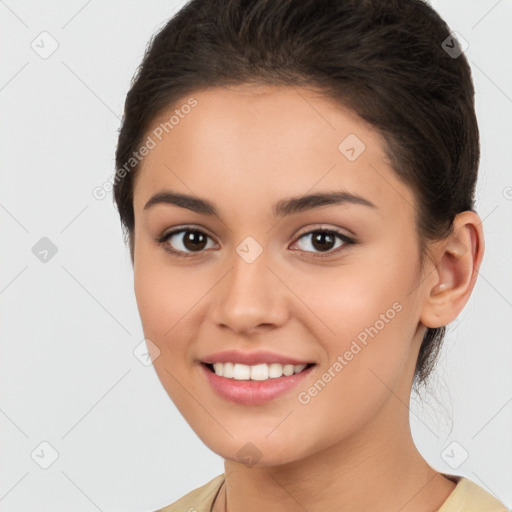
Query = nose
x=250 y=297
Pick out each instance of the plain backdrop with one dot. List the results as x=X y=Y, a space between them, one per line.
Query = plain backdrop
x=74 y=396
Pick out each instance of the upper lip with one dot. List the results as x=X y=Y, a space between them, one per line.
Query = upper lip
x=251 y=358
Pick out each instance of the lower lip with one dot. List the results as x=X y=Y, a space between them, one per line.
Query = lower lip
x=253 y=392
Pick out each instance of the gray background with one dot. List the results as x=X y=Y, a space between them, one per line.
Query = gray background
x=69 y=324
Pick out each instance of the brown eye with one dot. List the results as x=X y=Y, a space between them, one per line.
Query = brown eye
x=194 y=240
x=324 y=241
x=184 y=241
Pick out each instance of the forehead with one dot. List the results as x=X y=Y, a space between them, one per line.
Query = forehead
x=246 y=142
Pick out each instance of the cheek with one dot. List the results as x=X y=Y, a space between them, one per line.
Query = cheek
x=365 y=360
x=171 y=301
x=162 y=301
x=155 y=292
x=353 y=296
x=159 y=297
x=371 y=318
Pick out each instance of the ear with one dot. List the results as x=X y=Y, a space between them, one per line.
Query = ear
x=457 y=261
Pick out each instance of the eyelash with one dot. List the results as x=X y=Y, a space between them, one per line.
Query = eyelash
x=181 y=254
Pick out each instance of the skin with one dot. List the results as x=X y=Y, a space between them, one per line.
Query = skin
x=244 y=149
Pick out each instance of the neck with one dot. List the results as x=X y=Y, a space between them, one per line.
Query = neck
x=378 y=468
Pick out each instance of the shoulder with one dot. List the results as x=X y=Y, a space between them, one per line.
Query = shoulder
x=198 y=500
x=470 y=497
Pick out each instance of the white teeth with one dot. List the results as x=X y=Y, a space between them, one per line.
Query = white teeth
x=261 y=371
x=288 y=369
x=227 y=370
x=241 y=372
x=275 y=370
x=218 y=367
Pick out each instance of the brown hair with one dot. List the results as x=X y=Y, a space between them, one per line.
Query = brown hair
x=389 y=61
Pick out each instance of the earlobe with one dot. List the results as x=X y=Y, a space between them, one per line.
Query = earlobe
x=457 y=261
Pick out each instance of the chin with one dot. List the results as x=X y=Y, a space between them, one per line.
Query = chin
x=255 y=451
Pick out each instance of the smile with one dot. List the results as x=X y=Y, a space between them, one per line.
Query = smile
x=263 y=371
x=256 y=384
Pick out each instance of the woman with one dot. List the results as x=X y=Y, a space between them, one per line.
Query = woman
x=296 y=182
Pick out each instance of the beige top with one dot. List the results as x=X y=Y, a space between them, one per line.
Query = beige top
x=466 y=497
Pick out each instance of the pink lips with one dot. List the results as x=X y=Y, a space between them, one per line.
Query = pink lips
x=252 y=392
x=251 y=358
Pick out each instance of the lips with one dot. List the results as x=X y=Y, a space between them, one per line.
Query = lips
x=253 y=392
x=253 y=358
x=253 y=378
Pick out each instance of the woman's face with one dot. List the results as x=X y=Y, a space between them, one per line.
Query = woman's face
x=254 y=272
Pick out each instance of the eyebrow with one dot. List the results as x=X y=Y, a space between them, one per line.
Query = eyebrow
x=280 y=209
